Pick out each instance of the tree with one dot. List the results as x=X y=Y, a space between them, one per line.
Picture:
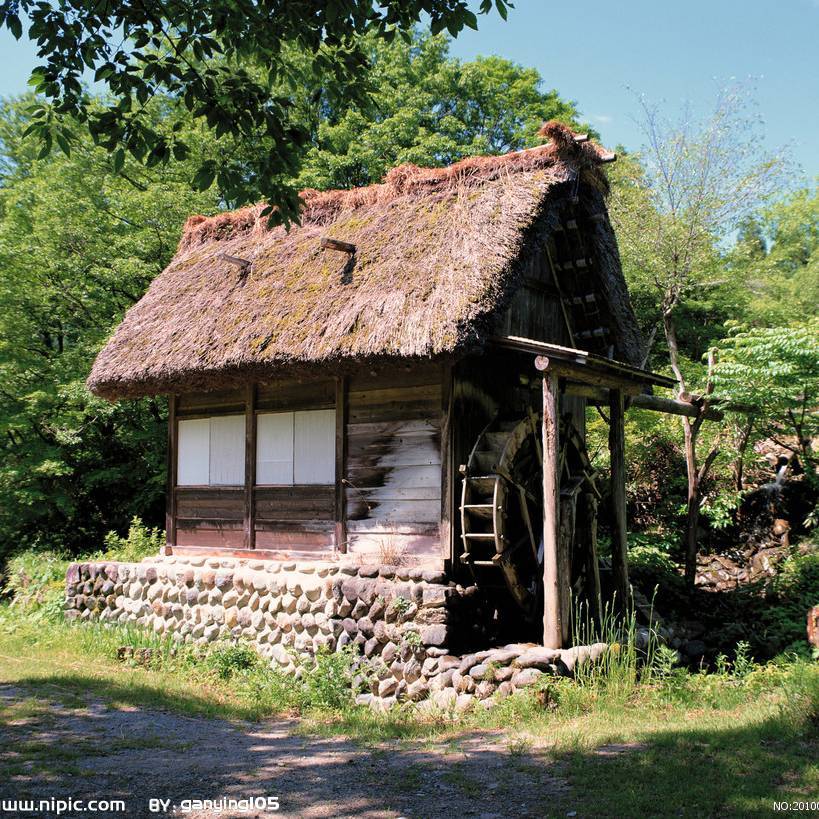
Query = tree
x=77 y=247
x=775 y=370
x=694 y=184
x=204 y=54
x=429 y=109
x=777 y=259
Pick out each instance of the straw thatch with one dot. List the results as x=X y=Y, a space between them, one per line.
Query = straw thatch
x=436 y=251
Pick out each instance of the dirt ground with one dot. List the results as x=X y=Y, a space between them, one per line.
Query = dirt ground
x=100 y=751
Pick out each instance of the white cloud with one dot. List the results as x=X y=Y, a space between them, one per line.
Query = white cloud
x=605 y=119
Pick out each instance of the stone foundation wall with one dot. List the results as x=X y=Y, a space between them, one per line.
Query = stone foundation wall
x=408 y=623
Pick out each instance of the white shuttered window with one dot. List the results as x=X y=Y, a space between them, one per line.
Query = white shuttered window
x=211 y=451
x=296 y=448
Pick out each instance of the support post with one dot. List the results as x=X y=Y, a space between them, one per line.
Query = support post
x=619 y=536
x=250 y=467
x=553 y=614
x=447 y=464
x=341 y=455
x=170 y=490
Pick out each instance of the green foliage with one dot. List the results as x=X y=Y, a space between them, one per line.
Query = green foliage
x=231 y=67
x=794 y=590
x=228 y=659
x=140 y=542
x=432 y=110
x=35 y=579
x=775 y=372
x=78 y=246
x=327 y=680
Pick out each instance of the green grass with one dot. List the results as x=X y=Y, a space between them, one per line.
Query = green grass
x=681 y=744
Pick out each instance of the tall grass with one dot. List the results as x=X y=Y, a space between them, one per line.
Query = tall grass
x=630 y=657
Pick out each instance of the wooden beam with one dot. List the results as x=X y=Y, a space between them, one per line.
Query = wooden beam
x=553 y=616
x=341 y=455
x=250 y=467
x=336 y=244
x=583 y=366
x=656 y=403
x=673 y=407
x=170 y=489
x=244 y=265
x=619 y=533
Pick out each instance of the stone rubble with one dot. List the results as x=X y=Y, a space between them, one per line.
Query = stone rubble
x=402 y=620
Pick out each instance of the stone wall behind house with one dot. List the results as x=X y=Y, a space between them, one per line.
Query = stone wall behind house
x=409 y=624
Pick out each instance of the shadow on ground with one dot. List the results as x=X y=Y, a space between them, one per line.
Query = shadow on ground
x=111 y=746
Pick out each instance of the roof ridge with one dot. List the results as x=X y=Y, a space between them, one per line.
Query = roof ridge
x=323 y=206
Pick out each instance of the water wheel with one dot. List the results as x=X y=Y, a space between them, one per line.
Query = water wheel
x=502 y=505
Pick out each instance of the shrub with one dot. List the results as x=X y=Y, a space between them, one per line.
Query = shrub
x=793 y=591
x=228 y=659
x=327 y=679
x=138 y=543
x=36 y=581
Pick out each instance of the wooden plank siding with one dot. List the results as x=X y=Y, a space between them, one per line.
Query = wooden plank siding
x=393 y=473
x=387 y=496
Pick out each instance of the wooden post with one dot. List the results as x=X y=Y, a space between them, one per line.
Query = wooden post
x=170 y=490
x=250 y=467
x=447 y=465
x=341 y=454
x=619 y=535
x=553 y=615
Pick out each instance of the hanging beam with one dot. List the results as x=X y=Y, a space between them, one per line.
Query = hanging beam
x=553 y=615
x=619 y=535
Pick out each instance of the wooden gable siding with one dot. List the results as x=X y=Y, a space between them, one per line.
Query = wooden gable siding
x=393 y=463
x=534 y=310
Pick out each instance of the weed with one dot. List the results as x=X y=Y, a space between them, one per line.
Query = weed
x=228 y=659
x=138 y=543
x=413 y=638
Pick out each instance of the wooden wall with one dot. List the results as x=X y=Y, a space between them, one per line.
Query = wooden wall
x=388 y=501
x=393 y=469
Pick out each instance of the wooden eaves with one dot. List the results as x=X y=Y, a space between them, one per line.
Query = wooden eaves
x=592 y=377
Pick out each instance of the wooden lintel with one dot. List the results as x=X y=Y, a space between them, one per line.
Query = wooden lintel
x=336 y=244
x=584 y=366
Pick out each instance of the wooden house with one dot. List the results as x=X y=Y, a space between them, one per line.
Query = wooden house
x=403 y=377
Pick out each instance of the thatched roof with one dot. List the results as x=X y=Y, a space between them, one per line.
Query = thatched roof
x=435 y=255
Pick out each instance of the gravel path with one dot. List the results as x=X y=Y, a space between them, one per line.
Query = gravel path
x=48 y=749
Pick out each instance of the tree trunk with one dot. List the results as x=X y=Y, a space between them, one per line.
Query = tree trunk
x=692 y=510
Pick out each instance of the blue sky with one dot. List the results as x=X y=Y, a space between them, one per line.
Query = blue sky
x=593 y=52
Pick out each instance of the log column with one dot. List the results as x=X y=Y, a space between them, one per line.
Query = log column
x=619 y=537
x=170 y=491
x=341 y=456
x=553 y=613
x=250 y=467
